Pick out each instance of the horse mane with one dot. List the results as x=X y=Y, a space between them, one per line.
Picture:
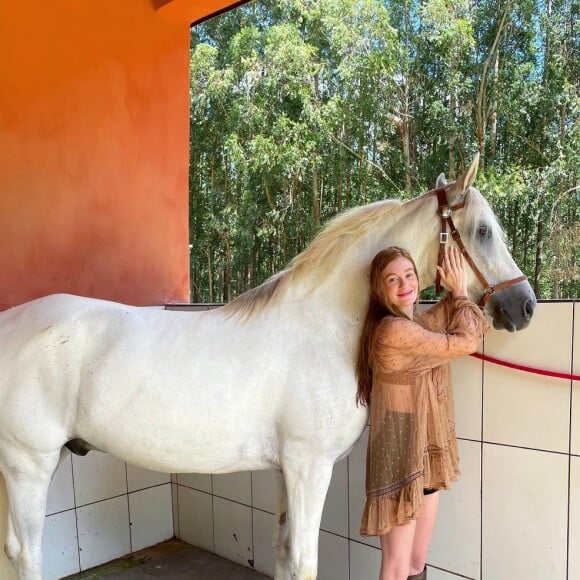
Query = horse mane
x=317 y=258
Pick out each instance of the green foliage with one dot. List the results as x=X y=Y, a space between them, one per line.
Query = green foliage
x=303 y=108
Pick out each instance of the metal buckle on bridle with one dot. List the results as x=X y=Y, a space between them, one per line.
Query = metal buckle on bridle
x=489 y=290
x=443 y=237
x=445 y=211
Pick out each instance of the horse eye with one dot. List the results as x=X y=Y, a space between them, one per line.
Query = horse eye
x=484 y=232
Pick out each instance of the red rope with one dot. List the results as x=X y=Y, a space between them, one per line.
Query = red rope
x=534 y=370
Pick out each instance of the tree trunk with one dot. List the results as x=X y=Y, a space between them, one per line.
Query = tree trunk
x=557 y=269
x=493 y=124
x=539 y=247
x=451 y=162
x=406 y=140
x=315 y=197
x=210 y=275
x=481 y=101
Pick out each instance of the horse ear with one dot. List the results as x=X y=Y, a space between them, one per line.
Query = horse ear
x=441 y=181
x=466 y=180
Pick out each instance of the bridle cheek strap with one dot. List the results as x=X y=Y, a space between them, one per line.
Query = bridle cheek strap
x=445 y=212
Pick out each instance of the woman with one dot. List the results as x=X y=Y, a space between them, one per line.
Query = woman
x=403 y=374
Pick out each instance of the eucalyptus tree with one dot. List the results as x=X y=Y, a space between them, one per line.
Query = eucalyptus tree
x=302 y=108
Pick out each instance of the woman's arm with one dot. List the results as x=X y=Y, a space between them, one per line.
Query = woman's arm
x=466 y=330
x=402 y=344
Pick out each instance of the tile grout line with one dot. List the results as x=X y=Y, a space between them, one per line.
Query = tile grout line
x=128 y=510
x=348 y=509
x=498 y=444
x=570 y=448
x=177 y=508
x=212 y=513
x=72 y=469
x=481 y=469
x=252 y=519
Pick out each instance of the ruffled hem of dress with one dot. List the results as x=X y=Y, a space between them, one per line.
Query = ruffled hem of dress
x=383 y=512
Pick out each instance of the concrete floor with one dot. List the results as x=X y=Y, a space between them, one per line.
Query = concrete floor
x=172 y=560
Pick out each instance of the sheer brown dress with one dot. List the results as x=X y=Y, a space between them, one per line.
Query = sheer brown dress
x=412 y=442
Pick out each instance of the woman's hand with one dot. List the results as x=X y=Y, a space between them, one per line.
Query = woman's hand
x=452 y=272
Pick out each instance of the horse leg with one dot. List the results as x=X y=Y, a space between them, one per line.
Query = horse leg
x=281 y=535
x=306 y=486
x=12 y=543
x=27 y=481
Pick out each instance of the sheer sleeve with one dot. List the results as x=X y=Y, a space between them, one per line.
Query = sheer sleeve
x=402 y=344
x=437 y=317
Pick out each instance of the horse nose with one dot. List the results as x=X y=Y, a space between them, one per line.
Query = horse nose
x=528 y=310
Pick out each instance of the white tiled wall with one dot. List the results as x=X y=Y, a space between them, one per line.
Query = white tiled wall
x=98 y=509
x=515 y=512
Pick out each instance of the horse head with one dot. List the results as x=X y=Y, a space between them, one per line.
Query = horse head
x=508 y=297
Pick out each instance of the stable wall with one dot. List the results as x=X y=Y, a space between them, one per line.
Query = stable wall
x=94 y=141
x=514 y=513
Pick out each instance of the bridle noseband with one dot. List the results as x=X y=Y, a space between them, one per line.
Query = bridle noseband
x=445 y=211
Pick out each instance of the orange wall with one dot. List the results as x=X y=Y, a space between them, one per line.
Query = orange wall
x=94 y=149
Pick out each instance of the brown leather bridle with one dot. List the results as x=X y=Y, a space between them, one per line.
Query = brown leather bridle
x=445 y=211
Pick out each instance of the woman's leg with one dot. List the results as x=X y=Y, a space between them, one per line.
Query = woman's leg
x=397 y=547
x=423 y=533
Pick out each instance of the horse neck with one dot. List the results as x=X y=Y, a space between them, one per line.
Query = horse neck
x=415 y=227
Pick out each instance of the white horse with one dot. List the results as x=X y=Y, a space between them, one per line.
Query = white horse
x=265 y=382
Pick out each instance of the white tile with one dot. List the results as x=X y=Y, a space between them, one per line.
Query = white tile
x=199 y=481
x=265 y=490
x=61 y=495
x=574 y=539
x=195 y=518
x=335 y=514
x=524 y=517
x=467 y=387
x=150 y=516
x=456 y=539
x=98 y=476
x=263 y=536
x=234 y=486
x=356 y=489
x=332 y=557
x=522 y=408
x=526 y=410
x=546 y=343
x=60 y=550
x=233 y=531
x=139 y=478
x=103 y=529
x=365 y=561
x=7 y=571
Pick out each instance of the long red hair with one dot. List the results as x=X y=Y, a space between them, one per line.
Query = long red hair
x=379 y=307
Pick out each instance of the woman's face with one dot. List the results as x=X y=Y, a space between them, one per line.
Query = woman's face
x=401 y=283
